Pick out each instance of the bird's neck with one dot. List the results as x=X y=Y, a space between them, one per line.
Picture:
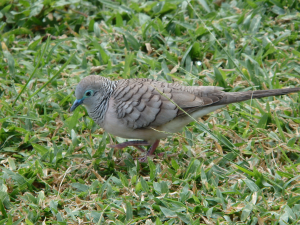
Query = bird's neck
x=97 y=113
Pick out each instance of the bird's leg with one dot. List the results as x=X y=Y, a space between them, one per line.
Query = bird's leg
x=153 y=148
x=150 y=151
x=135 y=144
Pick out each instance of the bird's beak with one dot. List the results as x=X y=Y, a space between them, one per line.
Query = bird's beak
x=77 y=103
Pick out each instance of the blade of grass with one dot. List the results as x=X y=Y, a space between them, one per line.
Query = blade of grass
x=54 y=76
x=34 y=71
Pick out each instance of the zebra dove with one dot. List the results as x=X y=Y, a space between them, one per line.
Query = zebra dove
x=152 y=110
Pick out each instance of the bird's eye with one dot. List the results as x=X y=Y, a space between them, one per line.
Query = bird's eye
x=88 y=93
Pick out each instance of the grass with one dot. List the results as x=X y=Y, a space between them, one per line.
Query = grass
x=239 y=165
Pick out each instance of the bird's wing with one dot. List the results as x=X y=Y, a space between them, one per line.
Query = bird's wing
x=141 y=103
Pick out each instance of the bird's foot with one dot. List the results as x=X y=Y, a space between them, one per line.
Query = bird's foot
x=150 y=152
x=145 y=158
x=135 y=144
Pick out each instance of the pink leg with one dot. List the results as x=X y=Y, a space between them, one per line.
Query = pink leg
x=150 y=151
x=135 y=144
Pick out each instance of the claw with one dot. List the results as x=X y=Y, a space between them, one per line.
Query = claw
x=135 y=144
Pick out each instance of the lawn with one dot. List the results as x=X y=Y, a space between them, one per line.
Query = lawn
x=238 y=165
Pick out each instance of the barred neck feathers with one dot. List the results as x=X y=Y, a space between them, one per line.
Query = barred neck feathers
x=97 y=112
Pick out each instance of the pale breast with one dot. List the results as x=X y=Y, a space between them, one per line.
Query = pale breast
x=116 y=127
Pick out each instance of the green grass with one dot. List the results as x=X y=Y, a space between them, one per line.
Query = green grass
x=240 y=165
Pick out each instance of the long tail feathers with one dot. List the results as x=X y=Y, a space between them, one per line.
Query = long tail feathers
x=232 y=97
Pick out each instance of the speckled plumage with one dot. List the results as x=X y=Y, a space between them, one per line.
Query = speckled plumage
x=139 y=108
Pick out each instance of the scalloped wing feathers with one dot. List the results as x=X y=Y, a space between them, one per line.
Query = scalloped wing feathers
x=143 y=103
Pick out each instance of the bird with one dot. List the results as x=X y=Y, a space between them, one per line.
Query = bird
x=150 y=110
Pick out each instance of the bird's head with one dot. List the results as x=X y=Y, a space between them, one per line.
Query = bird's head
x=90 y=92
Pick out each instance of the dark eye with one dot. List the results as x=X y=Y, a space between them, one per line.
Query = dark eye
x=89 y=93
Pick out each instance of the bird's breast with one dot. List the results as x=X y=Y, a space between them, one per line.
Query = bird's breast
x=116 y=127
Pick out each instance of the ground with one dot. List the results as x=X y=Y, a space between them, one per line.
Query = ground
x=239 y=165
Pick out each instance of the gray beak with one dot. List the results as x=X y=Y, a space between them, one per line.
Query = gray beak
x=76 y=104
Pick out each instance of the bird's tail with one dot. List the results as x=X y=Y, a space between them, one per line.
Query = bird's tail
x=232 y=97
